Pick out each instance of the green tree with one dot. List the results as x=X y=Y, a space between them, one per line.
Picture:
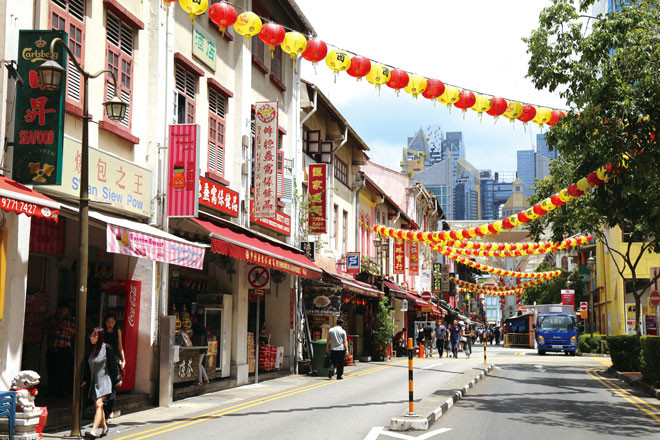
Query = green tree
x=607 y=70
x=381 y=333
x=550 y=292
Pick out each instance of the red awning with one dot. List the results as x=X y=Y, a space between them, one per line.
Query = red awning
x=20 y=199
x=238 y=242
x=396 y=290
x=356 y=286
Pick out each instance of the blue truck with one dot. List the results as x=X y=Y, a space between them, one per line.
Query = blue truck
x=556 y=332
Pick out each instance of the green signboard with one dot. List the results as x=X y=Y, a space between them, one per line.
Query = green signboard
x=39 y=126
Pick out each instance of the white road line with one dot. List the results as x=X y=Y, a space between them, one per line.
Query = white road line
x=431 y=366
x=377 y=431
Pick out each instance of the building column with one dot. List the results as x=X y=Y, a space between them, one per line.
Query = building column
x=239 y=365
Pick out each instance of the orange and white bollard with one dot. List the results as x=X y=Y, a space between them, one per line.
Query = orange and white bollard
x=411 y=403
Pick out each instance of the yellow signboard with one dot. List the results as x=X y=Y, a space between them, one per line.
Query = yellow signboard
x=584 y=314
x=204 y=46
x=113 y=181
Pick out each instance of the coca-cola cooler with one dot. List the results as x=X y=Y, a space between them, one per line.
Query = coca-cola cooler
x=122 y=299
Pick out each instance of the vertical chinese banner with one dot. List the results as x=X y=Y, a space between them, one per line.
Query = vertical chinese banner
x=182 y=171
x=265 y=160
x=39 y=126
x=413 y=258
x=317 y=198
x=399 y=257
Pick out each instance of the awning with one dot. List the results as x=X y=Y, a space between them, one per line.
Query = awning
x=355 y=286
x=238 y=242
x=20 y=199
x=396 y=290
x=136 y=239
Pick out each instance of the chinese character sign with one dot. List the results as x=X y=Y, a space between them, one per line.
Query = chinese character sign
x=317 y=197
x=39 y=113
x=183 y=173
x=413 y=258
x=204 y=46
x=218 y=197
x=399 y=257
x=265 y=160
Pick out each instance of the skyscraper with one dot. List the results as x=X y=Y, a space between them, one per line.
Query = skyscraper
x=543 y=149
x=437 y=179
x=526 y=167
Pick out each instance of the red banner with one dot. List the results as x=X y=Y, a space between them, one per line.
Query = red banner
x=265 y=160
x=413 y=258
x=182 y=171
x=47 y=237
x=399 y=257
x=317 y=198
x=218 y=197
x=281 y=223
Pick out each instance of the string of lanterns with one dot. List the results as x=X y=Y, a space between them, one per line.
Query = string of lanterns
x=248 y=24
x=520 y=287
x=564 y=196
x=478 y=249
x=498 y=271
x=487 y=291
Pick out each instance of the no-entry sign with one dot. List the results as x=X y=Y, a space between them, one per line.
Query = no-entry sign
x=654 y=299
x=426 y=296
x=258 y=277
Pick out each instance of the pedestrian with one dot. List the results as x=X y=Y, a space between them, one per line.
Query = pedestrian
x=491 y=336
x=454 y=337
x=400 y=342
x=419 y=334
x=101 y=376
x=113 y=337
x=497 y=335
x=440 y=337
x=467 y=340
x=429 y=340
x=337 y=347
x=59 y=356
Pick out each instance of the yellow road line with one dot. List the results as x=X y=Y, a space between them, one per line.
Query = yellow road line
x=654 y=412
x=217 y=413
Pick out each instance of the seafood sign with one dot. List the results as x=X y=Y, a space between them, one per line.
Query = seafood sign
x=129 y=242
x=323 y=302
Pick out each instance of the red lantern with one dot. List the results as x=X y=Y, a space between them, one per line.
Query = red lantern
x=398 y=80
x=222 y=14
x=466 y=100
x=316 y=51
x=497 y=106
x=272 y=34
x=434 y=88
x=360 y=66
x=528 y=113
x=554 y=118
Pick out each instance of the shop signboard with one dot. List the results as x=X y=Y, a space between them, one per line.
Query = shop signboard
x=39 y=121
x=413 y=258
x=204 y=46
x=218 y=197
x=309 y=248
x=445 y=278
x=265 y=160
x=113 y=181
x=322 y=301
x=182 y=171
x=399 y=257
x=352 y=262
x=126 y=241
x=280 y=222
x=437 y=277
x=317 y=198
x=651 y=325
x=568 y=297
x=47 y=237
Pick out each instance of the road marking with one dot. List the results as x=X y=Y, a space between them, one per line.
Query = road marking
x=654 y=412
x=238 y=407
x=431 y=366
x=540 y=368
x=377 y=431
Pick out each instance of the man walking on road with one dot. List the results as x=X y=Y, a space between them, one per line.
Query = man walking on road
x=440 y=337
x=337 y=346
x=429 y=340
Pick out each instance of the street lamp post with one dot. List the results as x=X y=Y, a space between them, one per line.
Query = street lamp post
x=591 y=262
x=50 y=75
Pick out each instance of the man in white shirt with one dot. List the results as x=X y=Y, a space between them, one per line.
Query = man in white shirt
x=337 y=346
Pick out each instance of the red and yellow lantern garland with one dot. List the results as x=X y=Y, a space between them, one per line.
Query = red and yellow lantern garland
x=486 y=291
x=564 y=196
x=497 y=271
x=497 y=289
x=477 y=249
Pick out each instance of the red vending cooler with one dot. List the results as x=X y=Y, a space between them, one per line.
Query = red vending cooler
x=122 y=299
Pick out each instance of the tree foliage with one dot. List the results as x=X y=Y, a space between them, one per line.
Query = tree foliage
x=550 y=292
x=607 y=68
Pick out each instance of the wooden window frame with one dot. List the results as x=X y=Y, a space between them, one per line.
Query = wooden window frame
x=124 y=78
x=72 y=105
x=277 y=69
x=341 y=171
x=190 y=102
x=217 y=137
x=258 y=49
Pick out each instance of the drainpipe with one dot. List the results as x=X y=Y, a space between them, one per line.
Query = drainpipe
x=302 y=122
x=356 y=209
x=343 y=141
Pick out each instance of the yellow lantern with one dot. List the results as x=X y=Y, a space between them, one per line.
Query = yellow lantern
x=513 y=111
x=481 y=104
x=194 y=7
x=542 y=116
x=583 y=185
x=416 y=85
x=247 y=24
x=378 y=75
x=338 y=60
x=450 y=95
x=294 y=43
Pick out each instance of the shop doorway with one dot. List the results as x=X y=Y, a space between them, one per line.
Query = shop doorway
x=213 y=324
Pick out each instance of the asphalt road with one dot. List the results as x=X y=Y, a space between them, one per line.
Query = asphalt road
x=551 y=397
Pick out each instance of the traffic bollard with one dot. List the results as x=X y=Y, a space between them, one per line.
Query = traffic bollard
x=421 y=350
x=411 y=404
x=485 y=342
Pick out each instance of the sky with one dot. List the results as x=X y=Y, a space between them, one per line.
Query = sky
x=472 y=44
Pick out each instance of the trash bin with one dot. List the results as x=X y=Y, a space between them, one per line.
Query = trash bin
x=319 y=355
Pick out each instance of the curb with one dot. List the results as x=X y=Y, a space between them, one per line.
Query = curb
x=648 y=389
x=402 y=423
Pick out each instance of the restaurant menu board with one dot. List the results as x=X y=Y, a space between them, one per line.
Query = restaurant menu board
x=322 y=302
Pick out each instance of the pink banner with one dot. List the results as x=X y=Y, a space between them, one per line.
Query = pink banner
x=265 y=160
x=136 y=244
x=182 y=171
